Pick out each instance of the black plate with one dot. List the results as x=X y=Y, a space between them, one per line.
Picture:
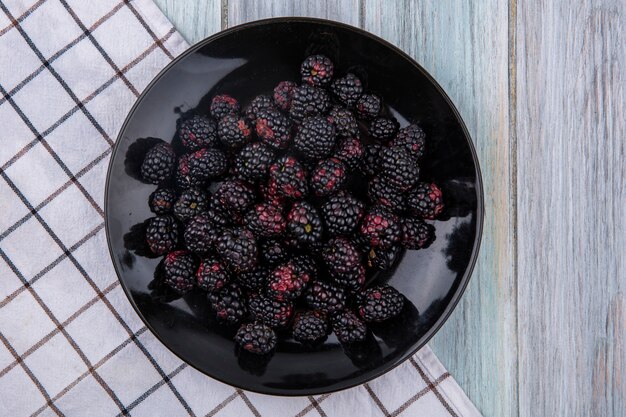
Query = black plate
x=250 y=59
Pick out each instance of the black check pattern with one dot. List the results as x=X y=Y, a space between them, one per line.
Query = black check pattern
x=70 y=342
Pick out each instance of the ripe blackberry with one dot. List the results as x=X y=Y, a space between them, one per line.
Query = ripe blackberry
x=350 y=151
x=253 y=161
x=179 y=268
x=201 y=233
x=229 y=304
x=315 y=138
x=256 y=338
x=223 y=105
x=344 y=121
x=283 y=94
x=238 y=249
x=328 y=177
x=233 y=131
x=182 y=178
x=416 y=234
x=369 y=106
x=204 y=165
x=272 y=312
x=325 y=296
x=310 y=327
x=262 y=101
x=341 y=214
x=265 y=220
x=254 y=280
x=273 y=128
x=308 y=101
x=380 y=228
x=159 y=163
x=304 y=223
x=269 y=194
x=399 y=168
x=384 y=128
x=425 y=200
x=347 y=89
x=287 y=282
x=190 y=203
x=382 y=259
x=162 y=234
x=235 y=196
x=348 y=327
x=272 y=252
x=380 y=303
x=413 y=139
x=162 y=200
x=288 y=177
x=212 y=274
x=217 y=214
x=341 y=256
x=317 y=70
x=307 y=264
x=379 y=191
x=353 y=281
x=197 y=132
x=370 y=164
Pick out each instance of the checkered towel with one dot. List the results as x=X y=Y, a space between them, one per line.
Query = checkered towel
x=70 y=342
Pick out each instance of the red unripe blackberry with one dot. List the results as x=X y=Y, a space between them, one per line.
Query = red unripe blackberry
x=425 y=200
x=380 y=228
x=288 y=177
x=287 y=282
x=328 y=177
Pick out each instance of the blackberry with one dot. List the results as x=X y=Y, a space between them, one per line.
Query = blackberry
x=190 y=203
x=253 y=161
x=287 y=282
x=212 y=274
x=265 y=220
x=288 y=177
x=315 y=138
x=308 y=101
x=162 y=200
x=206 y=164
x=380 y=228
x=379 y=191
x=370 y=164
x=353 y=281
x=254 y=280
x=304 y=223
x=380 y=303
x=382 y=259
x=182 y=178
x=272 y=312
x=256 y=105
x=256 y=338
x=342 y=257
x=347 y=89
x=273 y=252
x=341 y=214
x=350 y=151
x=201 y=233
x=307 y=263
x=425 y=200
x=369 y=106
x=229 y=304
x=235 y=196
x=317 y=70
x=269 y=194
x=233 y=131
x=162 y=234
x=348 y=327
x=384 y=128
x=344 y=121
x=159 y=163
x=238 y=249
x=325 y=296
x=328 y=177
x=413 y=139
x=197 y=132
x=310 y=327
x=416 y=234
x=179 y=268
x=283 y=94
x=399 y=168
x=273 y=128
x=217 y=214
x=222 y=106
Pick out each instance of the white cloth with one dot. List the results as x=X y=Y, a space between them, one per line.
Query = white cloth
x=70 y=342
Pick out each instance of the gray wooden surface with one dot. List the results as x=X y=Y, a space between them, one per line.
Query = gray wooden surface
x=541 y=330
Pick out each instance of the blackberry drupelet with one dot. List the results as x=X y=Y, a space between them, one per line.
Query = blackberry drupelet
x=304 y=223
x=253 y=161
x=328 y=177
x=272 y=312
x=287 y=282
x=265 y=220
x=235 y=196
x=369 y=106
x=273 y=128
x=344 y=121
x=325 y=296
x=254 y=280
x=197 y=132
x=379 y=191
x=238 y=249
x=384 y=128
x=341 y=214
x=380 y=303
x=371 y=162
x=308 y=101
x=382 y=259
x=212 y=275
x=159 y=163
x=179 y=268
x=256 y=338
x=342 y=257
x=399 y=168
x=347 y=89
x=162 y=200
x=201 y=233
x=273 y=252
x=310 y=327
x=162 y=234
x=413 y=139
x=258 y=103
x=416 y=234
x=425 y=200
x=288 y=177
x=315 y=138
x=283 y=94
x=223 y=105
x=350 y=151
x=190 y=203
x=229 y=304
x=317 y=70
x=234 y=131
x=380 y=228
x=348 y=327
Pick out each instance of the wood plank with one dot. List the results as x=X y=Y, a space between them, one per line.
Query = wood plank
x=571 y=129
x=465 y=46
x=194 y=19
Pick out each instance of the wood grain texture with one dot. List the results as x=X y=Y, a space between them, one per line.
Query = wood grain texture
x=194 y=19
x=464 y=45
x=571 y=130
